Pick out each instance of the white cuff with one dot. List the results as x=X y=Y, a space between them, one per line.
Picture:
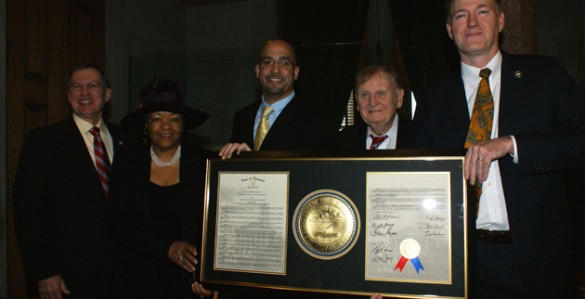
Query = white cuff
x=515 y=155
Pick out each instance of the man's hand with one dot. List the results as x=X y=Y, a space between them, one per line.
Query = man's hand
x=53 y=287
x=227 y=150
x=184 y=255
x=203 y=292
x=479 y=157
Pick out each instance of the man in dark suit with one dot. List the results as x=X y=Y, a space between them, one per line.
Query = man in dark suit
x=378 y=98
x=523 y=245
x=290 y=124
x=60 y=204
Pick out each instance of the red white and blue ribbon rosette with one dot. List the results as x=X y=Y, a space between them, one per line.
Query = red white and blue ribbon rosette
x=410 y=251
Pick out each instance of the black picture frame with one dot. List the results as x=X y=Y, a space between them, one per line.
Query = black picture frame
x=345 y=275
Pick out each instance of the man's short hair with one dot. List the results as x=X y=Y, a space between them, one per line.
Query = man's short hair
x=368 y=72
x=448 y=4
x=83 y=66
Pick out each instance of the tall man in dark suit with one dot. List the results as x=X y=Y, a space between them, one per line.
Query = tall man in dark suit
x=60 y=204
x=524 y=247
x=378 y=97
x=290 y=124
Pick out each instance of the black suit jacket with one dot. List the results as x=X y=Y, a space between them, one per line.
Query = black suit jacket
x=545 y=110
x=354 y=138
x=298 y=127
x=60 y=211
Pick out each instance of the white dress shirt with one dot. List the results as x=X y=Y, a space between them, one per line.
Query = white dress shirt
x=85 y=130
x=390 y=142
x=492 y=213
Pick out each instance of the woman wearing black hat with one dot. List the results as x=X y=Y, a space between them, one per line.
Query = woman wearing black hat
x=159 y=191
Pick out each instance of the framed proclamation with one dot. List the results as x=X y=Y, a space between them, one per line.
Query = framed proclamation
x=395 y=223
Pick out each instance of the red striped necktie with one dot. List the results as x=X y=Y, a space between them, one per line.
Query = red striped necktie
x=102 y=162
x=376 y=141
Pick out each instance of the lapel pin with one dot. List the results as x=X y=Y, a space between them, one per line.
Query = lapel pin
x=518 y=74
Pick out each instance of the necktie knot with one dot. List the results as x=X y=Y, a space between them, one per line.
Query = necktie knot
x=95 y=131
x=267 y=111
x=485 y=73
x=376 y=141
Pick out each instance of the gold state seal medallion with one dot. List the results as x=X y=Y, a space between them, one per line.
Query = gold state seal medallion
x=326 y=224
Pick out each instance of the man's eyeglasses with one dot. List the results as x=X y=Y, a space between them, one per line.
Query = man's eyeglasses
x=91 y=86
x=267 y=62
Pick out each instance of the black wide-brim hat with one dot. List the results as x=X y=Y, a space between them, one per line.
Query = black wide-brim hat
x=164 y=101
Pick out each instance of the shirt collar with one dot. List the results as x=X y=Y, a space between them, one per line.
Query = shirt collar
x=279 y=105
x=85 y=126
x=391 y=132
x=470 y=74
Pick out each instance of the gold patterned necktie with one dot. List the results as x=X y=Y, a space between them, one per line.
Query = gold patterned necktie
x=263 y=127
x=482 y=117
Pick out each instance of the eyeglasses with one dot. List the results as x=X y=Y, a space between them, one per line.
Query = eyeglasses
x=267 y=62
x=91 y=86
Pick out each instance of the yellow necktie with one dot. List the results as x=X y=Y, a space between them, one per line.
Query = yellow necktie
x=263 y=127
x=482 y=117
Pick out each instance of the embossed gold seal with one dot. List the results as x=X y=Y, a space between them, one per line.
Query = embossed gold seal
x=326 y=224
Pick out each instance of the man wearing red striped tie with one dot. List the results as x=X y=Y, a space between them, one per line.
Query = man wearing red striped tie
x=378 y=97
x=61 y=194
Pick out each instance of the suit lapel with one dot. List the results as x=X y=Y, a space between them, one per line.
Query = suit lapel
x=511 y=86
x=403 y=137
x=79 y=150
x=284 y=129
x=115 y=136
x=457 y=106
x=362 y=135
x=249 y=123
x=357 y=137
x=117 y=140
x=286 y=117
x=79 y=154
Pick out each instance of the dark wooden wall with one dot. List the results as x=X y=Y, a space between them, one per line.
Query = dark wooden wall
x=45 y=39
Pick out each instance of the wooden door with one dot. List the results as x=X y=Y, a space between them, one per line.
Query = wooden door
x=45 y=39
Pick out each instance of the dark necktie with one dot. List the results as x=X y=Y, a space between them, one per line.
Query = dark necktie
x=376 y=141
x=102 y=162
x=482 y=116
